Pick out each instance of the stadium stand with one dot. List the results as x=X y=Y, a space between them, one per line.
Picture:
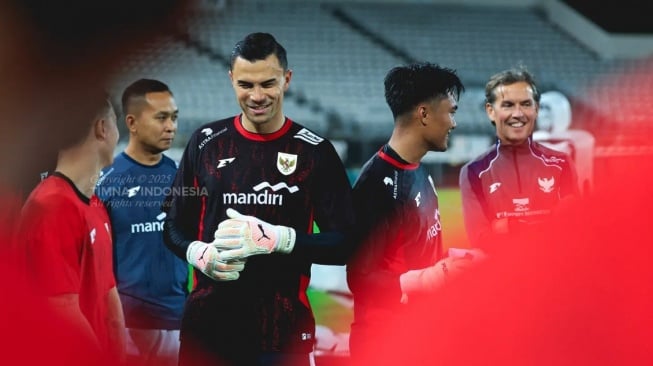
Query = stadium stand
x=338 y=71
x=202 y=89
x=339 y=53
x=471 y=38
x=620 y=101
x=200 y=81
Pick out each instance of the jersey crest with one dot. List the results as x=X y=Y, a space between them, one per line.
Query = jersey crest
x=286 y=163
x=546 y=184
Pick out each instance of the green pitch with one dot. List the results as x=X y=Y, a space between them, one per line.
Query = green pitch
x=330 y=312
x=451 y=214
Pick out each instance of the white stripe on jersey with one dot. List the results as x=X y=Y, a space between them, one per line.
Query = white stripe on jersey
x=308 y=136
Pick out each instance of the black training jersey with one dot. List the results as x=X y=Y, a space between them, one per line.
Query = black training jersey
x=399 y=226
x=292 y=177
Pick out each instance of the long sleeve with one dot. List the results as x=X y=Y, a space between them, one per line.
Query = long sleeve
x=334 y=213
x=383 y=230
x=569 y=186
x=174 y=239
x=477 y=224
x=183 y=211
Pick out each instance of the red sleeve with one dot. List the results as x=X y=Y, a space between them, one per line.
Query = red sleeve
x=107 y=266
x=52 y=233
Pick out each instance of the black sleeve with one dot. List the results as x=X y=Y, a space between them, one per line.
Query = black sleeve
x=334 y=213
x=331 y=248
x=174 y=239
x=378 y=229
x=183 y=211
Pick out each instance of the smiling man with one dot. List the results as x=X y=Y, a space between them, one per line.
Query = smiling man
x=518 y=182
x=271 y=168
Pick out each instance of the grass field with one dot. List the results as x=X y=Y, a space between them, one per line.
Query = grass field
x=451 y=214
x=329 y=312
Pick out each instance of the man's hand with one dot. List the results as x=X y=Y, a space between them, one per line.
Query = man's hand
x=251 y=236
x=430 y=279
x=475 y=254
x=207 y=258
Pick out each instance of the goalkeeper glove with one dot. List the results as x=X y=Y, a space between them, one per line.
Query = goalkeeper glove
x=207 y=259
x=475 y=254
x=251 y=236
x=432 y=278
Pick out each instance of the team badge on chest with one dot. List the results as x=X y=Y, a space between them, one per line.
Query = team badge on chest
x=286 y=163
x=546 y=184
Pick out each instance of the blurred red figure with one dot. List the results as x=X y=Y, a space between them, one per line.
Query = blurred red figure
x=578 y=295
x=54 y=58
x=31 y=333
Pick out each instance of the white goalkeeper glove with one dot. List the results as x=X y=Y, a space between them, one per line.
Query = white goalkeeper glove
x=206 y=258
x=251 y=236
x=475 y=254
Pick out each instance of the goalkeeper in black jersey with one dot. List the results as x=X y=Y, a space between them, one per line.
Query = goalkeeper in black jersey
x=249 y=305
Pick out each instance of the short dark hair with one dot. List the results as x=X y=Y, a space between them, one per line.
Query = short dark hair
x=407 y=86
x=98 y=107
x=258 y=46
x=138 y=89
x=509 y=77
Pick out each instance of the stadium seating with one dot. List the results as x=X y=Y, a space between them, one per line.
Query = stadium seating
x=340 y=52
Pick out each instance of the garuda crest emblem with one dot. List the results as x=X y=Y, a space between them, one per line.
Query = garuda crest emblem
x=286 y=163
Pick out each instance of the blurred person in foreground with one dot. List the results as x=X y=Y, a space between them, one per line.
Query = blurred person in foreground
x=152 y=282
x=517 y=182
x=400 y=256
x=250 y=306
x=65 y=234
x=577 y=293
x=55 y=59
x=56 y=55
